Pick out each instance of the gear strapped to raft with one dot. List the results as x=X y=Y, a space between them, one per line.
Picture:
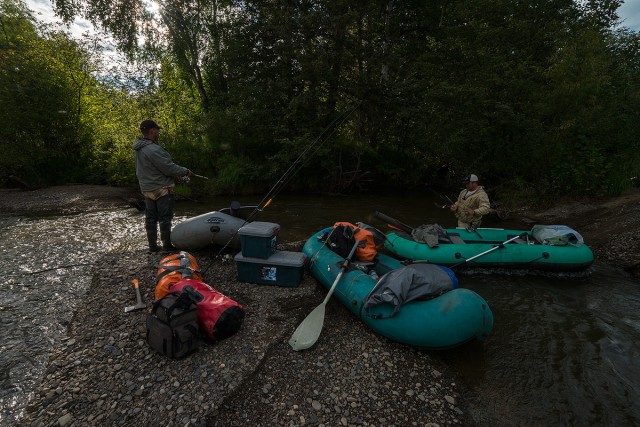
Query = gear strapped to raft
x=344 y=235
x=406 y=284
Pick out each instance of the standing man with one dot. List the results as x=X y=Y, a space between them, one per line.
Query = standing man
x=156 y=174
x=472 y=204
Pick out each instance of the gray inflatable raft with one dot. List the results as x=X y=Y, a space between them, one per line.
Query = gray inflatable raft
x=213 y=228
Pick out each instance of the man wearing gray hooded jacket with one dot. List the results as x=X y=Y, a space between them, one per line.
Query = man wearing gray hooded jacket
x=156 y=173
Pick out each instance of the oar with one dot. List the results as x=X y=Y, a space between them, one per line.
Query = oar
x=308 y=332
x=496 y=247
x=400 y=225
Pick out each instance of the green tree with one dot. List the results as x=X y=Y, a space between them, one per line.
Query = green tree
x=540 y=91
x=42 y=82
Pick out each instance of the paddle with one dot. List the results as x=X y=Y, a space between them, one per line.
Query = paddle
x=496 y=247
x=400 y=225
x=308 y=332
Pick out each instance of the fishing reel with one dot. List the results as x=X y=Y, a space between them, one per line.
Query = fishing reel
x=183 y=179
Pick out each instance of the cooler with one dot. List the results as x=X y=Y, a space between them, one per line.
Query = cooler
x=283 y=268
x=259 y=239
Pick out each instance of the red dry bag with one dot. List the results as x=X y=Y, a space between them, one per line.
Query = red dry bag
x=218 y=316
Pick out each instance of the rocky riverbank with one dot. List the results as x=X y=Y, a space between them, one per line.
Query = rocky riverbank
x=105 y=374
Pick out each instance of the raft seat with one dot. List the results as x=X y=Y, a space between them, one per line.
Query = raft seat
x=362 y=263
x=519 y=240
x=364 y=266
x=456 y=239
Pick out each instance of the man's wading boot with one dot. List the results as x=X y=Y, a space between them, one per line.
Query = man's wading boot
x=152 y=237
x=165 y=235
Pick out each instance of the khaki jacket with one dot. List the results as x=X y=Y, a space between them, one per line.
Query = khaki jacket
x=478 y=201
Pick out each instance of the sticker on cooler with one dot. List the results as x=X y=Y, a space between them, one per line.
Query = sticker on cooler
x=269 y=273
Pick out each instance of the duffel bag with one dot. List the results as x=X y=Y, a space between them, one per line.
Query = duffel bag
x=219 y=316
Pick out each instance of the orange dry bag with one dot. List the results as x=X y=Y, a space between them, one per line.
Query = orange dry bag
x=174 y=268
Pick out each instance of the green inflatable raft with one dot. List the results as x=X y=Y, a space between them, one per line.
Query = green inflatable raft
x=495 y=248
x=447 y=321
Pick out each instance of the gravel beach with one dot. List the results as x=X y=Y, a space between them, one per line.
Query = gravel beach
x=104 y=373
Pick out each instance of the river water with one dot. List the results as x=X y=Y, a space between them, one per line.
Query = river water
x=565 y=350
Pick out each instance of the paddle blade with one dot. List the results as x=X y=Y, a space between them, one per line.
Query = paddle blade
x=308 y=332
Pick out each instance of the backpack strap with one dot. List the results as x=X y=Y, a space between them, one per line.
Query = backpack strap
x=172 y=307
x=168 y=260
x=171 y=268
x=186 y=270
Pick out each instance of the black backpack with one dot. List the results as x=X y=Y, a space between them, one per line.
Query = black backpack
x=172 y=326
x=341 y=240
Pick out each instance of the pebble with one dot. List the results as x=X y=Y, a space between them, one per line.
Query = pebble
x=64 y=420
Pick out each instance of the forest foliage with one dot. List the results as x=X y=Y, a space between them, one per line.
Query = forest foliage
x=539 y=98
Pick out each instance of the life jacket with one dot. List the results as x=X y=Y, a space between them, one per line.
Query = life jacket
x=345 y=235
x=174 y=268
x=219 y=316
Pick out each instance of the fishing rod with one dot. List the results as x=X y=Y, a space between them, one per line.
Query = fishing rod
x=300 y=161
x=443 y=197
x=185 y=179
x=294 y=168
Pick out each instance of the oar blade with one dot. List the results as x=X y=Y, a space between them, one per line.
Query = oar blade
x=308 y=332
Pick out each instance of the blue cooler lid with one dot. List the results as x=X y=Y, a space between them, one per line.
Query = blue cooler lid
x=281 y=258
x=259 y=229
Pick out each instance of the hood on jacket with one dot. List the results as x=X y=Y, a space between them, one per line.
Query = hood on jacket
x=141 y=142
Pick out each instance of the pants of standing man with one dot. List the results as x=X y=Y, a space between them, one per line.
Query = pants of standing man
x=156 y=212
